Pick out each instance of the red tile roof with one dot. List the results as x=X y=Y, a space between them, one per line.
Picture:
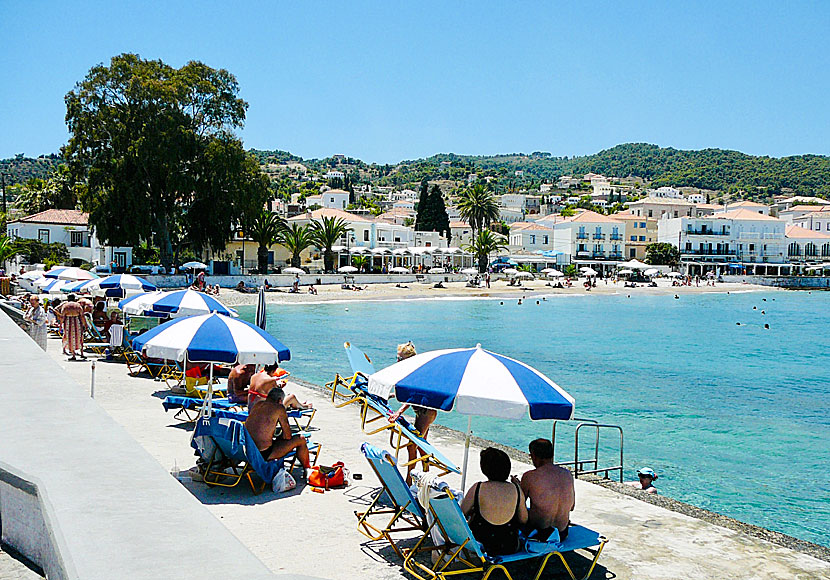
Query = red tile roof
x=797 y=232
x=68 y=217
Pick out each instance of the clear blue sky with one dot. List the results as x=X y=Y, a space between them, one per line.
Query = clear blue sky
x=386 y=81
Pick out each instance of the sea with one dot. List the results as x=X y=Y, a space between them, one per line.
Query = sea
x=733 y=416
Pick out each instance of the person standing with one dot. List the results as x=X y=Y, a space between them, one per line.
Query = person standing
x=36 y=316
x=74 y=324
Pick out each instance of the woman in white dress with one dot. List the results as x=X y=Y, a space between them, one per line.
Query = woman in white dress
x=36 y=316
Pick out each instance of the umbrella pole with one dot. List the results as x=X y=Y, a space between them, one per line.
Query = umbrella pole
x=209 y=403
x=466 y=453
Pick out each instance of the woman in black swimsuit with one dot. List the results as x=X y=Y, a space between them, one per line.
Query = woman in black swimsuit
x=496 y=500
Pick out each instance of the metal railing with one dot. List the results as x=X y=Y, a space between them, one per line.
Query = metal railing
x=616 y=237
x=581 y=236
x=591 y=465
x=707 y=232
x=599 y=236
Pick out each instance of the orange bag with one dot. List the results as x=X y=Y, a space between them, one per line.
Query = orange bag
x=327 y=477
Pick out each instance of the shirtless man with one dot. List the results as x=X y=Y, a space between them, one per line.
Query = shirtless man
x=551 y=492
x=238 y=381
x=261 y=384
x=262 y=423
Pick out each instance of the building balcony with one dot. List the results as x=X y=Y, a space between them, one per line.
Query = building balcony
x=615 y=256
x=706 y=233
x=598 y=254
x=616 y=237
x=581 y=236
x=599 y=236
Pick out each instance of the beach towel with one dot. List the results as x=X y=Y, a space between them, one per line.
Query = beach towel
x=73 y=333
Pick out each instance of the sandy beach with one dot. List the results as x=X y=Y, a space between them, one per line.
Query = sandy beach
x=498 y=290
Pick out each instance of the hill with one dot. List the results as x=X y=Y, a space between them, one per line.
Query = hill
x=20 y=169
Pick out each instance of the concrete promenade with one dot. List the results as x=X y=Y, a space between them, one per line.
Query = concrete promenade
x=81 y=498
x=314 y=534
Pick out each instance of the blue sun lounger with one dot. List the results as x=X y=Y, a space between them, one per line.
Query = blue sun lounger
x=375 y=410
x=188 y=410
x=459 y=538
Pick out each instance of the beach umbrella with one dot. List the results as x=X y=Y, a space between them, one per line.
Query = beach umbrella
x=358 y=250
x=673 y=274
x=552 y=272
x=399 y=270
x=473 y=381
x=651 y=271
x=293 y=270
x=120 y=284
x=32 y=275
x=81 y=286
x=347 y=269
x=633 y=265
x=176 y=304
x=588 y=271
x=260 y=319
x=437 y=271
x=68 y=273
x=625 y=272
x=470 y=271
x=380 y=251
x=51 y=285
x=194 y=265
x=524 y=275
x=510 y=271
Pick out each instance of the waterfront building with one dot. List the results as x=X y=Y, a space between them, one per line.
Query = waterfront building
x=530 y=237
x=807 y=245
x=659 y=208
x=639 y=233
x=590 y=239
x=797 y=213
x=817 y=220
x=71 y=228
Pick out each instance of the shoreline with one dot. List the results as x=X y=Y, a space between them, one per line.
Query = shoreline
x=675 y=505
x=537 y=289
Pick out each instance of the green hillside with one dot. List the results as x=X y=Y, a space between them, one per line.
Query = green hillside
x=20 y=169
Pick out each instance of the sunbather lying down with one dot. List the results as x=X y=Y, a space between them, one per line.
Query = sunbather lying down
x=264 y=381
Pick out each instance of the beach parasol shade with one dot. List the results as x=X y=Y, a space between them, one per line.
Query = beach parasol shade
x=399 y=270
x=194 y=265
x=510 y=271
x=175 y=304
x=212 y=338
x=293 y=270
x=347 y=269
x=68 y=273
x=524 y=275
x=588 y=271
x=673 y=274
x=32 y=275
x=261 y=319
x=51 y=285
x=651 y=271
x=470 y=271
x=437 y=271
x=623 y=272
x=552 y=272
x=124 y=282
x=81 y=286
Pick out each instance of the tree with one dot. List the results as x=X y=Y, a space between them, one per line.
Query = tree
x=662 y=254
x=7 y=250
x=362 y=263
x=478 y=207
x=326 y=233
x=36 y=252
x=265 y=230
x=483 y=244
x=154 y=144
x=296 y=238
x=423 y=194
x=571 y=271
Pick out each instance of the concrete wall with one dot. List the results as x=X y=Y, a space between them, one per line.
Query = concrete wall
x=803 y=282
x=286 y=280
x=82 y=499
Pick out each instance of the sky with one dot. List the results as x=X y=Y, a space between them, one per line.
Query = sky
x=387 y=81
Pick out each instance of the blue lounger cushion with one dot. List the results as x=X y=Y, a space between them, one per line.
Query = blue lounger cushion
x=221 y=404
x=579 y=537
x=235 y=443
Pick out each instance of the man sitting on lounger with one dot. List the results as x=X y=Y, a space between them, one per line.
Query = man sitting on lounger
x=551 y=492
x=264 y=381
x=238 y=381
x=262 y=424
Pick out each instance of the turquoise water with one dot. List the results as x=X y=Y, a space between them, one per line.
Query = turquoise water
x=735 y=419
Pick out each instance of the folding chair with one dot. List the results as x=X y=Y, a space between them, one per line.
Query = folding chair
x=98 y=342
x=466 y=555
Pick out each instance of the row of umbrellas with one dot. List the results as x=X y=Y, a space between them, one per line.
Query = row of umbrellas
x=412 y=251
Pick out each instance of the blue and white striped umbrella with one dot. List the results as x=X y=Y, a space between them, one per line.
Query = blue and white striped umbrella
x=175 y=304
x=51 y=285
x=82 y=286
x=473 y=381
x=70 y=273
x=125 y=282
x=261 y=319
x=211 y=338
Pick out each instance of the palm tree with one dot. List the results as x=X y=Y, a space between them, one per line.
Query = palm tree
x=7 y=250
x=296 y=238
x=265 y=230
x=360 y=262
x=478 y=207
x=485 y=243
x=326 y=233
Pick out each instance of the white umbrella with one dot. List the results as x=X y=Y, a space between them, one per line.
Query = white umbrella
x=293 y=271
x=380 y=251
x=524 y=275
x=621 y=272
x=338 y=249
x=399 y=270
x=588 y=271
x=347 y=269
x=437 y=271
x=32 y=275
x=358 y=250
x=51 y=285
x=553 y=272
x=633 y=265
x=510 y=271
x=651 y=271
x=176 y=304
x=470 y=271
x=673 y=274
x=194 y=265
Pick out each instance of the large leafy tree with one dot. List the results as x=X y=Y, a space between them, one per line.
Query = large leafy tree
x=57 y=191
x=483 y=244
x=7 y=250
x=432 y=213
x=266 y=229
x=326 y=233
x=155 y=145
x=296 y=238
x=662 y=254
x=478 y=207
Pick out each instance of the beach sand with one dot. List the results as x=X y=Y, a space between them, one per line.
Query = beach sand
x=499 y=290
x=314 y=534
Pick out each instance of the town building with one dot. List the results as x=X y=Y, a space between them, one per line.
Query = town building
x=817 y=220
x=639 y=233
x=530 y=237
x=659 y=208
x=590 y=239
x=805 y=245
x=461 y=232
x=71 y=228
x=749 y=205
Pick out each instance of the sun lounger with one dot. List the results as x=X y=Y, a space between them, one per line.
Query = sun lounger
x=97 y=342
x=462 y=554
x=137 y=362
x=188 y=408
x=231 y=454
x=405 y=508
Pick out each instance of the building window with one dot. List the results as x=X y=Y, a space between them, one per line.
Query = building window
x=649 y=213
x=633 y=238
x=365 y=235
x=632 y=253
x=642 y=238
x=76 y=239
x=675 y=213
x=642 y=225
x=545 y=238
x=532 y=240
x=43 y=236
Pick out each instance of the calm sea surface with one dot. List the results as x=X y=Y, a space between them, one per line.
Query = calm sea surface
x=735 y=419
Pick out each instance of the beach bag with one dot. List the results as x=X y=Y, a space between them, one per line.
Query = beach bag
x=327 y=477
x=283 y=481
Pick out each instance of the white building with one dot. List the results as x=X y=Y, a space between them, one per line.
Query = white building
x=530 y=237
x=71 y=228
x=364 y=232
x=797 y=213
x=804 y=245
x=462 y=233
x=404 y=195
x=590 y=238
x=734 y=236
x=817 y=220
x=696 y=198
x=665 y=193
x=407 y=204
x=659 y=208
x=334 y=199
x=748 y=205
x=335 y=175
x=567 y=181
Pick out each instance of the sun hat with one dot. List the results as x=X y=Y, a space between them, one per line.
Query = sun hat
x=406 y=350
x=648 y=472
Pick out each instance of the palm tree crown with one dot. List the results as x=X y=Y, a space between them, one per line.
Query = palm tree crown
x=478 y=207
x=326 y=233
x=296 y=238
x=265 y=230
x=483 y=244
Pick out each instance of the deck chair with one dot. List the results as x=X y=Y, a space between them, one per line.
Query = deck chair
x=137 y=362
x=406 y=513
x=97 y=342
x=465 y=555
x=188 y=409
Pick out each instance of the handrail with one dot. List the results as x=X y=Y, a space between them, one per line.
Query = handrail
x=579 y=466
